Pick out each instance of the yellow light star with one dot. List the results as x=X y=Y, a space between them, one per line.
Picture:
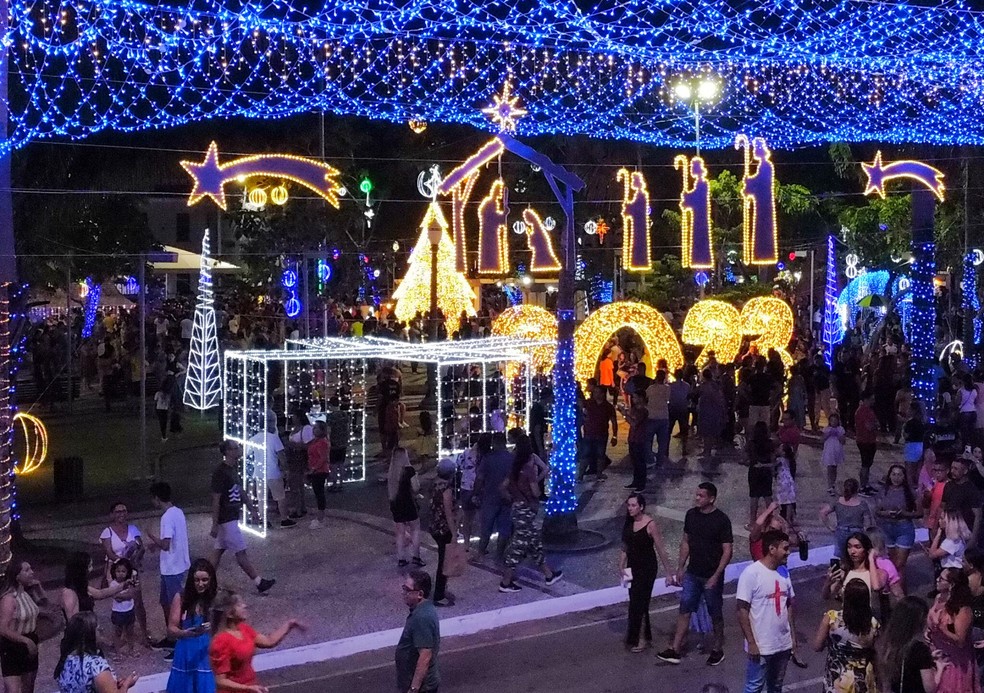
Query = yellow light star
x=505 y=110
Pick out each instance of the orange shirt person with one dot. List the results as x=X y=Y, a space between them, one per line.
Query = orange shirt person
x=606 y=373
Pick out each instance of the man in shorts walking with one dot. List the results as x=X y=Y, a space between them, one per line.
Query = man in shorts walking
x=705 y=551
x=227 y=503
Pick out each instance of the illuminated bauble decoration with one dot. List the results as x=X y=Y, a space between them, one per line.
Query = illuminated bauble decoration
x=279 y=195
x=770 y=320
x=292 y=307
x=528 y=321
x=519 y=227
x=35 y=436
x=951 y=350
x=591 y=227
x=978 y=256
x=418 y=126
x=549 y=223
x=716 y=326
x=257 y=197
x=289 y=279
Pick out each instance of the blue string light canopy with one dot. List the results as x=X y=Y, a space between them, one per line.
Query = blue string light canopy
x=795 y=73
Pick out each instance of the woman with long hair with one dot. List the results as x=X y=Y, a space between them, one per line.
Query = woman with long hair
x=896 y=509
x=234 y=643
x=850 y=511
x=905 y=663
x=849 y=636
x=858 y=562
x=78 y=595
x=402 y=484
x=188 y=625
x=18 y=628
x=760 y=454
x=641 y=543
x=82 y=667
x=948 y=631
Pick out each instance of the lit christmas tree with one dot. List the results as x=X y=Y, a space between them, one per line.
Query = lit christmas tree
x=454 y=293
x=203 y=383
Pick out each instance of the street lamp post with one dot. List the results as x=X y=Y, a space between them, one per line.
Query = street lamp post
x=434 y=233
x=705 y=91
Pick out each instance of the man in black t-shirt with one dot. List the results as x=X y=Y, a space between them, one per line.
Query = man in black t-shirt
x=960 y=495
x=228 y=498
x=759 y=389
x=705 y=551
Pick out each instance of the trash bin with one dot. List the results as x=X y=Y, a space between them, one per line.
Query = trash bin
x=67 y=474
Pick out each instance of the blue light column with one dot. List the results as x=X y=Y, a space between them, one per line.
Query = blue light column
x=830 y=314
x=971 y=305
x=924 y=385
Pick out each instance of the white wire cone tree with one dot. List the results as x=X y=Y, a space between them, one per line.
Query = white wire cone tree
x=203 y=383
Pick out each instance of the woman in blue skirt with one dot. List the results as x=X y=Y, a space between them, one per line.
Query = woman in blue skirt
x=188 y=625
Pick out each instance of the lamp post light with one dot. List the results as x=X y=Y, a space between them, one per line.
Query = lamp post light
x=705 y=90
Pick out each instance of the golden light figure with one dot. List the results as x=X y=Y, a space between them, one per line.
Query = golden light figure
x=657 y=336
x=279 y=195
x=35 y=443
x=530 y=322
x=770 y=321
x=418 y=126
x=716 y=326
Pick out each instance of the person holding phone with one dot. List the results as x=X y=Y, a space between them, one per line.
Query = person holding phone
x=188 y=625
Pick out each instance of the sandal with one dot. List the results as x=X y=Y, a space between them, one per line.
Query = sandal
x=418 y=562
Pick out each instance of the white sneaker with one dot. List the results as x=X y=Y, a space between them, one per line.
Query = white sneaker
x=315 y=524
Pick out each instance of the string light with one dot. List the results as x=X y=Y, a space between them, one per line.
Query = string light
x=532 y=323
x=203 y=382
x=210 y=177
x=657 y=336
x=696 y=248
x=970 y=302
x=922 y=336
x=459 y=184
x=493 y=235
x=879 y=173
x=292 y=302
x=770 y=319
x=637 y=247
x=454 y=293
x=760 y=244
x=35 y=435
x=831 y=317
x=93 y=295
x=9 y=360
x=715 y=325
x=544 y=259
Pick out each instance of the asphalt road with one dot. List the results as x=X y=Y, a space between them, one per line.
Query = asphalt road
x=581 y=652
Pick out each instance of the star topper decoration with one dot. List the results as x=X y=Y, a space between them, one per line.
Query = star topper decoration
x=505 y=110
x=879 y=173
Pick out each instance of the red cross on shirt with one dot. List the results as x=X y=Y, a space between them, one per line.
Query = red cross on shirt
x=777 y=596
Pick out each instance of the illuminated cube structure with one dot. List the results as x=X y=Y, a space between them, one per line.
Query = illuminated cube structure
x=309 y=373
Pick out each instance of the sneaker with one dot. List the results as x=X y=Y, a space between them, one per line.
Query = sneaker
x=511 y=587
x=669 y=655
x=869 y=491
x=162 y=644
x=288 y=523
x=717 y=656
x=265 y=585
x=555 y=578
x=447 y=602
x=315 y=524
x=169 y=656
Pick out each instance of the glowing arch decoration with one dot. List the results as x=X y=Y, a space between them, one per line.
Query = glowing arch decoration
x=759 y=237
x=649 y=323
x=35 y=435
x=696 y=248
x=530 y=322
x=544 y=259
x=210 y=177
x=880 y=173
x=637 y=248
x=770 y=321
x=877 y=283
x=716 y=326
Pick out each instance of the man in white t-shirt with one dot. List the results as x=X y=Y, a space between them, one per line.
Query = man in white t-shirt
x=173 y=545
x=275 y=456
x=187 y=330
x=765 y=614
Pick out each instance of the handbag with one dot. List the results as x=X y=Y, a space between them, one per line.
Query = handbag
x=455 y=560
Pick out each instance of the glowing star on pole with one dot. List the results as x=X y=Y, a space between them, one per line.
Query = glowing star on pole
x=505 y=110
x=759 y=243
x=695 y=215
x=203 y=383
x=637 y=252
x=880 y=173
x=210 y=176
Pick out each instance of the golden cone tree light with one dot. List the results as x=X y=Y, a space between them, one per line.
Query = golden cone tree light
x=454 y=293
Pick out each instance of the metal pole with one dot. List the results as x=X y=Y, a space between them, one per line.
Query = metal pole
x=68 y=323
x=306 y=307
x=143 y=362
x=697 y=123
x=812 y=289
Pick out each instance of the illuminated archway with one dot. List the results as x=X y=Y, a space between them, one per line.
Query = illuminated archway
x=716 y=326
x=530 y=322
x=657 y=336
x=770 y=320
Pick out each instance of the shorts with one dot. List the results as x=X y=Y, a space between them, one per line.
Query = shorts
x=276 y=488
x=912 y=452
x=15 y=659
x=230 y=538
x=759 y=482
x=170 y=586
x=122 y=619
x=899 y=534
x=693 y=588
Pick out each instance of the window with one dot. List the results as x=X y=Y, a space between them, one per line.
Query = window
x=182 y=227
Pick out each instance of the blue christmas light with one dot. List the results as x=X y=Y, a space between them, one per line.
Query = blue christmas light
x=923 y=327
x=971 y=305
x=292 y=303
x=563 y=461
x=91 y=306
x=831 y=318
x=790 y=72
x=513 y=293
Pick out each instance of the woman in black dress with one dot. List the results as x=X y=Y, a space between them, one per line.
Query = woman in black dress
x=402 y=484
x=641 y=542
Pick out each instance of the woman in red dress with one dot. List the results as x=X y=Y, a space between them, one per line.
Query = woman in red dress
x=234 y=643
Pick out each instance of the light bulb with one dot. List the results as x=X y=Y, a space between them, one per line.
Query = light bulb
x=683 y=91
x=708 y=90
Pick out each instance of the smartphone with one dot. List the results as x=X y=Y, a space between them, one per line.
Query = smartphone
x=835 y=563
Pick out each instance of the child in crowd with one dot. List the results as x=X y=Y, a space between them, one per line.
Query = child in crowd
x=785 y=487
x=833 y=451
x=123 y=616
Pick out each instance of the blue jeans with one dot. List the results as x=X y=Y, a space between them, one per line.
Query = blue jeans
x=640 y=454
x=765 y=673
x=496 y=516
x=595 y=459
x=661 y=430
